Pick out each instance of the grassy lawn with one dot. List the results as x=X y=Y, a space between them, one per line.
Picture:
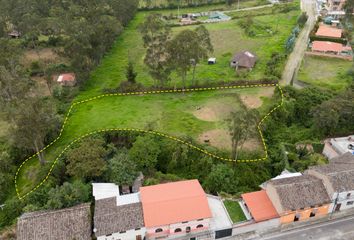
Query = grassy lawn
x=327 y=73
x=177 y=114
x=234 y=211
x=228 y=38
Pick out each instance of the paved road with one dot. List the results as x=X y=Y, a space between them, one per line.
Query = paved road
x=249 y=8
x=339 y=229
x=295 y=58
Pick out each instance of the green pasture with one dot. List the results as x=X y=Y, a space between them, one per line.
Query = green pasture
x=324 y=72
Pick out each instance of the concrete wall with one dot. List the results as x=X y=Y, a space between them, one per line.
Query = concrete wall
x=274 y=198
x=128 y=235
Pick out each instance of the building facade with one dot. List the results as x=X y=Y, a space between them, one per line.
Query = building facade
x=338 y=178
x=298 y=198
x=175 y=209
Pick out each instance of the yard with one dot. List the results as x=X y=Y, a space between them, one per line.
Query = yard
x=324 y=72
x=227 y=38
x=235 y=212
x=199 y=115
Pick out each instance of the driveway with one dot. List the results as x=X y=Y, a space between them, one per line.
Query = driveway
x=295 y=58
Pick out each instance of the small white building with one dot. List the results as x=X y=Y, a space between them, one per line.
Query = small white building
x=284 y=174
x=117 y=217
x=338 y=178
x=335 y=147
x=211 y=61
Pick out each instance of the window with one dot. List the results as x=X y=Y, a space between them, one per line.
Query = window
x=200 y=226
x=350 y=203
x=122 y=232
x=158 y=230
x=348 y=195
x=200 y=219
x=312 y=214
x=137 y=229
x=297 y=217
x=178 y=230
x=188 y=229
x=185 y=222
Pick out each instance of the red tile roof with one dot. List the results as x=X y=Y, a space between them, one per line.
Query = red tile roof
x=325 y=46
x=328 y=31
x=66 y=77
x=176 y=202
x=260 y=206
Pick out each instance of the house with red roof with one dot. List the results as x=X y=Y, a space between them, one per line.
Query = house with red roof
x=175 y=209
x=326 y=47
x=67 y=79
x=259 y=206
x=329 y=31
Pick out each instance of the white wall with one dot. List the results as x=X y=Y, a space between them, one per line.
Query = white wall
x=343 y=200
x=128 y=235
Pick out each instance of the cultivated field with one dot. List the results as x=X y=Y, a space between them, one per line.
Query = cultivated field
x=323 y=72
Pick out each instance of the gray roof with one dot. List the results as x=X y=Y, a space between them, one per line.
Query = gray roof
x=300 y=192
x=64 y=224
x=110 y=218
x=245 y=59
x=340 y=172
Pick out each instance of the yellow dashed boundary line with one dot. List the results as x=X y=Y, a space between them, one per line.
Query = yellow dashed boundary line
x=150 y=132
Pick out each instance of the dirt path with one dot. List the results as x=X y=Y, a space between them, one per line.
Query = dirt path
x=249 y=8
x=295 y=58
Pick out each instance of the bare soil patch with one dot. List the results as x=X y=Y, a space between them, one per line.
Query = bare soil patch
x=214 y=111
x=221 y=139
x=254 y=100
x=42 y=86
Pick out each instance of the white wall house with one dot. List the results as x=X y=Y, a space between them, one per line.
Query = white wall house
x=338 y=178
x=117 y=217
x=335 y=147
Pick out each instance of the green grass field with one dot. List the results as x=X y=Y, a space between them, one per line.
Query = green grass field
x=228 y=38
x=326 y=73
x=176 y=114
x=235 y=212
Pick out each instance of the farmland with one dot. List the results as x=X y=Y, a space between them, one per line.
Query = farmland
x=326 y=73
x=227 y=39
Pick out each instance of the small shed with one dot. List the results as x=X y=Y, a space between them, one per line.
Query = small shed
x=67 y=79
x=211 y=61
x=243 y=59
x=14 y=34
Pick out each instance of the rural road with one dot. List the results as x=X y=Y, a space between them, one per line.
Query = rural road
x=248 y=9
x=295 y=58
x=339 y=229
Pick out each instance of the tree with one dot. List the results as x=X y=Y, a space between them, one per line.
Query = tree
x=86 y=161
x=242 y=125
x=221 y=179
x=68 y=195
x=155 y=34
x=36 y=117
x=130 y=73
x=144 y=153
x=122 y=170
x=186 y=50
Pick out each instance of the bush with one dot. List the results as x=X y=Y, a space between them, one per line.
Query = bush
x=302 y=19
